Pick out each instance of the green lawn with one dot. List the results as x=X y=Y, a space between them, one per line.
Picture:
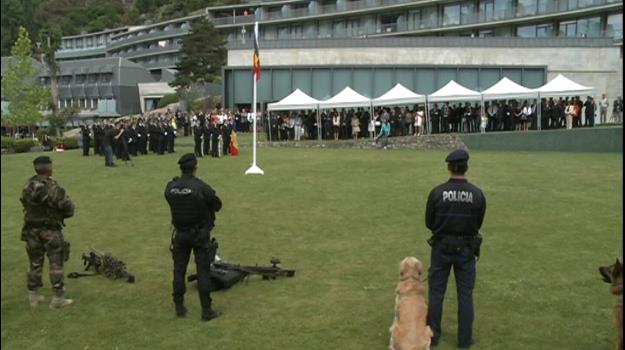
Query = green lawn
x=344 y=219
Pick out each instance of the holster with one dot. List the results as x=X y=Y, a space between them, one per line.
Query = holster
x=212 y=249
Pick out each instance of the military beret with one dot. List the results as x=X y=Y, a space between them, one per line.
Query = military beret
x=42 y=160
x=188 y=160
x=456 y=156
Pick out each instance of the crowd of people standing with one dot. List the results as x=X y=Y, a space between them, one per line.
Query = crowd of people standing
x=448 y=117
x=126 y=138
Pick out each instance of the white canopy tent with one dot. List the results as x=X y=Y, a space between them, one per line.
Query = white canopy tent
x=296 y=100
x=506 y=89
x=346 y=99
x=454 y=92
x=563 y=86
x=398 y=95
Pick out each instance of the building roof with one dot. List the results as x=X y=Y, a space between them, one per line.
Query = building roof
x=7 y=59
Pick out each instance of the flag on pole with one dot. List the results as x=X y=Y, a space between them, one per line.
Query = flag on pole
x=256 y=56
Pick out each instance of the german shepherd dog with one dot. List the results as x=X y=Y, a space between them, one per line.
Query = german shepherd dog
x=613 y=274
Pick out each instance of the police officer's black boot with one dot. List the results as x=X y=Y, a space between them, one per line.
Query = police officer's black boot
x=181 y=310
x=209 y=314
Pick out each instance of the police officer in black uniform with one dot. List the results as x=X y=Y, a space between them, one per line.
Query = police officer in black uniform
x=454 y=213
x=193 y=205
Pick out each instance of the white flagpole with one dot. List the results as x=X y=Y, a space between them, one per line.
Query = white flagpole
x=254 y=169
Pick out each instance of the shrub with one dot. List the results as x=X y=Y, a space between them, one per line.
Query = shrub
x=23 y=145
x=70 y=142
x=42 y=131
x=67 y=142
x=167 y=99
x=8 y=142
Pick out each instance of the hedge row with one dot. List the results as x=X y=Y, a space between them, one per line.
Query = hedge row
x=24 y=145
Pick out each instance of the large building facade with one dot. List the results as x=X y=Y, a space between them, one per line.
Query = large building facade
x=322 y=45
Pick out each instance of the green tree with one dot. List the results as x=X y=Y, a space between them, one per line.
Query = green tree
x=21 y=87
x=204 y=54
x=60 y=119
x=49 y=43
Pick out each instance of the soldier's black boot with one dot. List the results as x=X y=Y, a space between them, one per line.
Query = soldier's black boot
x=181 y=310
x=209 y=314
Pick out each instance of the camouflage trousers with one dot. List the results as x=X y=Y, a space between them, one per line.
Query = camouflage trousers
x=39 y=242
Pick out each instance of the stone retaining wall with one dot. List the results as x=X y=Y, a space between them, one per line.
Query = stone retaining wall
x=447 y=141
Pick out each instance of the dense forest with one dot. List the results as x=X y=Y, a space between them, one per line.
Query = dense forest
x=56 y=18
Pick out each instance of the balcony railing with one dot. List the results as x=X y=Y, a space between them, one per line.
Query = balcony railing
x=555 y=6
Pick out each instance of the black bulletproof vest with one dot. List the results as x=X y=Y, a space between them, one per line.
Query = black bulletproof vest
x=188 y=207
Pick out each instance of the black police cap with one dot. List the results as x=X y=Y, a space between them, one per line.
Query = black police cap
x=188 y=160
x=457 y=156
x=42 y=160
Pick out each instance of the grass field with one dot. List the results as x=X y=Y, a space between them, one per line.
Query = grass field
x=344 y=219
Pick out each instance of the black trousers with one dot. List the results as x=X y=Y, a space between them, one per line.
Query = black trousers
x=198 y=147
x=85 y=147
x=184 y=243
x=464 y=265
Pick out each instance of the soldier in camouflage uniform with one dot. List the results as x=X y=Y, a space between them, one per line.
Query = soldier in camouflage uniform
x=45 y=207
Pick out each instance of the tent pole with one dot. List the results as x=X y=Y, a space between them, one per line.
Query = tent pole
x=539 y=113
x=428 y=122
x=319 y=125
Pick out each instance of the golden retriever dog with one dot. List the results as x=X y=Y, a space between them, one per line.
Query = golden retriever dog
x=409 y=330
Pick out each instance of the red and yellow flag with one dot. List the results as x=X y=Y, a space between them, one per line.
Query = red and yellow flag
x=256 y=68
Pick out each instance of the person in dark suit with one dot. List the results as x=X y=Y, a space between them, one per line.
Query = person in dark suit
x=206 y=135
x=86 y=139
x=215 y=132
x=226 y=132
x=197 y=139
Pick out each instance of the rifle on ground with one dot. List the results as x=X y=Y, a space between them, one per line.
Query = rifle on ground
x=224 y=274
x=105 y=264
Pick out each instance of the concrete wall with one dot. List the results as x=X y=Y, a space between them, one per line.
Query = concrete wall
x=609 y=139
x=600 y=67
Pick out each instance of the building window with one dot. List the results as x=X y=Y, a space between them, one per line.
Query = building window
x=162 y=43
x=94 y=103
x=568 y=29
x=388 y=22
x=467 y=13
x=324 y=30
x=526 y=8
x=90 y=41
x=503 y=31
x=338 y=29
x=526 y=32
x=614 y=27
x=429 y=17
x=267 y=33
x=589 y=27
x=93 y=78
x=451 y=15
x=353 y=27
x=544 y=30
x=80 y=79
x=65 y=79
x=283 y=32
x=487 y=33
x=106 y=77
x=297 y=31
x=503 y=9
x=546 y=6
x=487 y=10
